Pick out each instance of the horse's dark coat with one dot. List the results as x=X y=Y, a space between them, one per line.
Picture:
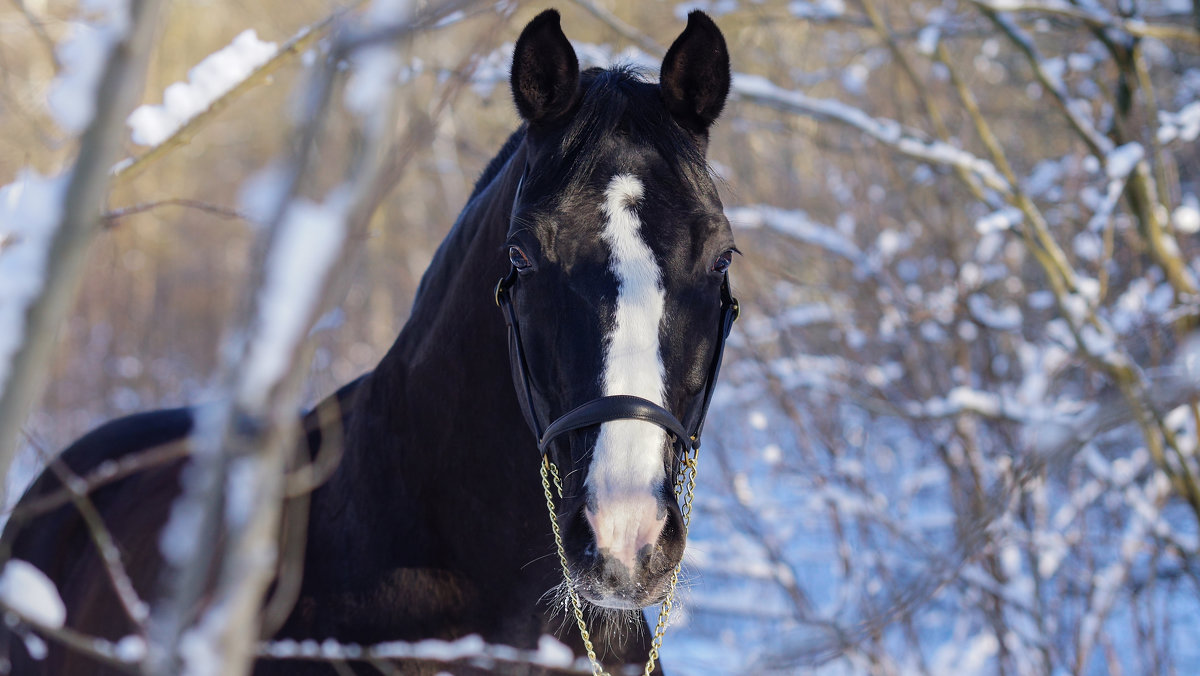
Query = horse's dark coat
x=434 y=523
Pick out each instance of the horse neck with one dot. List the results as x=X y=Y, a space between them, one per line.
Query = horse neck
x=427 y=425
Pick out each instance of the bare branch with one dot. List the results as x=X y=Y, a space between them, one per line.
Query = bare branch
x=103 y=475
x=135 y=608
x=101 y=650
x=112 y=216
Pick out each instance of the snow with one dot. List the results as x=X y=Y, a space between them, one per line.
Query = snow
x=373 y=75
x=795 y=224
x=131 y=649
x=1183 y=126
x=1187 y=359
x=927 y=40
x=199 y=646
x=208 y=80
x=30 y=211
x=177 y=541
x=890 y=132
x=822 y=9
x=27 y=591
x=83 y=56
x=1088 y=246
x=713 y=8
x=307 y=244
x=1186 y=217
x=374 y=70
x=999 y=221
x=35 y=646
x=240 y=491
x=549 y=652
x=1007 y=318
x=1121 y=161
x=263 y=192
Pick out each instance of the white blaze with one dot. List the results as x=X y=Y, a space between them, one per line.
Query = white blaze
x=628 y=461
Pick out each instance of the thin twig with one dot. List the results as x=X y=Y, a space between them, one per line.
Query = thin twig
x=112 y=216
x=39 y=30
x=645 y=42
x=135 y=608
x=99 y=649
x=102 y=475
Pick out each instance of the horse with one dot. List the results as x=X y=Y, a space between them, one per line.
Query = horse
x=602 y=221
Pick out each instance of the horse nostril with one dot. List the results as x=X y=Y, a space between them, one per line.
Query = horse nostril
x=627 y=529
x=668 y=549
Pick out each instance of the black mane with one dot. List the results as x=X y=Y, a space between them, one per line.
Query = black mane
x=497 y=164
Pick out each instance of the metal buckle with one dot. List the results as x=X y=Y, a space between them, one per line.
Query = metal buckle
x=505 y=282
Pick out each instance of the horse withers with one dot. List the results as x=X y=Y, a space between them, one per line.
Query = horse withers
x=602 y=220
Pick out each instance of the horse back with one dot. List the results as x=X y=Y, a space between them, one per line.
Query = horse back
x=47 y=530
x=138 y=461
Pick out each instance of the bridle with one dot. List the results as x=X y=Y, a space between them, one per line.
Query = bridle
x=685 y=437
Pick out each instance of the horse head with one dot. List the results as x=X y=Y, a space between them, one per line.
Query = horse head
x=618 y=294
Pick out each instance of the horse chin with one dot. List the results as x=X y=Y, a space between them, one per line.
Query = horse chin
x=636 y=597
x=615 y=602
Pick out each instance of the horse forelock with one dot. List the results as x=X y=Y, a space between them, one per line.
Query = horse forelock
x=619 y=102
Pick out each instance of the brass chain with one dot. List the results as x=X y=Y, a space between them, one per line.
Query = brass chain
x=686 y=479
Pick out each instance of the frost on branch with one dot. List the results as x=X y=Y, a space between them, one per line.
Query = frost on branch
x=207 y=81
x=27 y=591
x=72 y=97
x=30 y=209
x=309 y=239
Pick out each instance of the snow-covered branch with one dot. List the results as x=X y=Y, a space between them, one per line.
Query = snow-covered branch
x=759 y=90
x=1095 y=15
x=242 y=443
x=471 y=650
x=214 y=85
x=44 y=268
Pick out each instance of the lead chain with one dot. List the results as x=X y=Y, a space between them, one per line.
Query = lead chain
x=685 y=480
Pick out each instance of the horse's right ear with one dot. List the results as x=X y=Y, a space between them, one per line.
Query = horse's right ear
x=545 y=71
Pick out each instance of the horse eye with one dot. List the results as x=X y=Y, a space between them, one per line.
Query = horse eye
x=518 y=258
x=723 y=262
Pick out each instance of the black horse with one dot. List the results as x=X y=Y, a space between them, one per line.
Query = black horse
x=602 y=219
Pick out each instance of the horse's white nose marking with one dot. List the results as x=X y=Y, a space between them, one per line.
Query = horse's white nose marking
x=628 y=461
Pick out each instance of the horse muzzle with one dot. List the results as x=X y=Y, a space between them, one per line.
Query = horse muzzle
x=625 y=549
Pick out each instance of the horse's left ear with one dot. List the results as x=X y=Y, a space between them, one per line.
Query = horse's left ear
x=695 y=74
